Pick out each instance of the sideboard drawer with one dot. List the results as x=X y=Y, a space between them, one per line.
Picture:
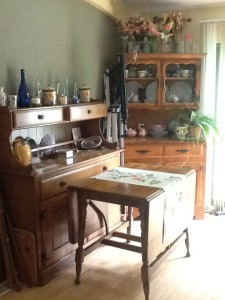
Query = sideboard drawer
x=86 y=112
x=183 y=150
x=143 y=151
x=58 y=184
x=33 y=117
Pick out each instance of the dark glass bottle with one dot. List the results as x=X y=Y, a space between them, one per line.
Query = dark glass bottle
x=23 y=93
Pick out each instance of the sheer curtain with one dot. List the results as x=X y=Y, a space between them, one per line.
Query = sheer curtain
x=213 y=104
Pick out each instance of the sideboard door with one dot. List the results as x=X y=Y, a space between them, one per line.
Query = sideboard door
x=54 y=221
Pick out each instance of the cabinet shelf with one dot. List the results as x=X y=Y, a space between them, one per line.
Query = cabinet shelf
x=180 y=78
x=152 y=106
x=53 y=146
x=141 y=79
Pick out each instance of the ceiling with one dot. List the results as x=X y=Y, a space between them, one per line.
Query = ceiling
x=170 y=5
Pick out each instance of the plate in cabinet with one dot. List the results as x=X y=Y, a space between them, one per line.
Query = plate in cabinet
x=151 y=92
x=133 y=89
x=181 y=89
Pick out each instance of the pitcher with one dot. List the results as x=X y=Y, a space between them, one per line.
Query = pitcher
x=22 y=152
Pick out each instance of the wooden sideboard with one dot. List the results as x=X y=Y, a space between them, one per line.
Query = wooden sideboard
x=35 y=195
x=171 y=153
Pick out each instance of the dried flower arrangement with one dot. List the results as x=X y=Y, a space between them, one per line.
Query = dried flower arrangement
x=171 y=24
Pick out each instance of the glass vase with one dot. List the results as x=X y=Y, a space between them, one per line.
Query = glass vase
x=23 y=92
x=164 y=46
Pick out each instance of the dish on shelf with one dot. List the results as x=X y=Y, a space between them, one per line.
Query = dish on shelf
x=141 y=67
x=31 y=142
x=92 y=142
x=33 y=145
x=151 y=92
x=158 y=134
x=167 y=93
x=132 y=89
x=47 y=140
x=157 y=127
x=19 y=137
x=180 y=89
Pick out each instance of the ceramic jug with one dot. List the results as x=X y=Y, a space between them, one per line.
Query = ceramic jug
x=22 y=152
x=141 y=130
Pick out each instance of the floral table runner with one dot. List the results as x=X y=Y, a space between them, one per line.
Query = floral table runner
x=175 y=214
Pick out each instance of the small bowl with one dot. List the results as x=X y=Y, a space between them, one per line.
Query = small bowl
x=174 y=98
x=158 y=127
x=142 y=74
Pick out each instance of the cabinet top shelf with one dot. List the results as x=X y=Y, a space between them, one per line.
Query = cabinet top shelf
x=165 y=56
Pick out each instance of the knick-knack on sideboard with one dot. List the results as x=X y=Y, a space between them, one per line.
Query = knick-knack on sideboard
x=3 y=97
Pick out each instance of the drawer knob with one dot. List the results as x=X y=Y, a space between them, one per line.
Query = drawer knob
x=143 y=151
x=40 y=117
x=62 y=183
x=182 y=150
x=90 y=111
x=105 y=168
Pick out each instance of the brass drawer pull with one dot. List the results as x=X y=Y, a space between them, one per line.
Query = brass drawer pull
x=182 y=150
x=40 y=117
x=62 y=183
x=90 y=111
x=143 y=151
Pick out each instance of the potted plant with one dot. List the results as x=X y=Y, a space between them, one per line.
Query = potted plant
x=201 y=126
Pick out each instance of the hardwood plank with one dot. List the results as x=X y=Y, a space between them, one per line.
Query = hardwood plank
x=111 y=273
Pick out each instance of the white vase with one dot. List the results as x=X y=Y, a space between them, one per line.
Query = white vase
x=3 y=97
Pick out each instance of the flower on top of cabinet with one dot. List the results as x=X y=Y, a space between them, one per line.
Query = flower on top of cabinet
x=171 y=24
x=137 y=28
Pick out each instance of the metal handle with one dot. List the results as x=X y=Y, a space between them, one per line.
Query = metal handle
x=90 y=111
x=182 y=150
x=40 y=117
x=62 y=183
x=143 y=151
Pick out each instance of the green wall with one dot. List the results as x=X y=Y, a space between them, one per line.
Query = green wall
x=56 y=39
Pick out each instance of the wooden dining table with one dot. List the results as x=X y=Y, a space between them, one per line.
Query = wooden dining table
x=165 y=211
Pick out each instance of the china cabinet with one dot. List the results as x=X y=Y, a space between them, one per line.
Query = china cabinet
x=172 y=80
x=36 y=195
x=170 y=87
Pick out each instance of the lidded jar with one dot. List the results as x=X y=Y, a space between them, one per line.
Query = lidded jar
x=49 y=96
x=85 y=94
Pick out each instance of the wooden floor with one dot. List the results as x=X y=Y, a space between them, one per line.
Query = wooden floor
x=110 y=273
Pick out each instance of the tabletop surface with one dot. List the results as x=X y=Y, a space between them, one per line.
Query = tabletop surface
x=123 y=190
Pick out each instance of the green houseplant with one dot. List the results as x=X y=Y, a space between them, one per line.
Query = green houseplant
x=201 y=126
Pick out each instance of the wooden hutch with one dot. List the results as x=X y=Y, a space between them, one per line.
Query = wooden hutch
x=36 y=195
x=164 y=84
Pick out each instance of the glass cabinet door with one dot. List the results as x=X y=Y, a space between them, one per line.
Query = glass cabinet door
x=180 y=84
x=142 y=82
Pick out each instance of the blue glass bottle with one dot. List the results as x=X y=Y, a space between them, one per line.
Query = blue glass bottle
x=23 y=93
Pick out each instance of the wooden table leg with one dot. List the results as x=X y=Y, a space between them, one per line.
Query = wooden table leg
x=188 y=254
x=145 y=277
x=130 y=220
x=82 y=213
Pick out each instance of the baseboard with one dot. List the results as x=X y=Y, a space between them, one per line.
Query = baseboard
x=3 y=288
